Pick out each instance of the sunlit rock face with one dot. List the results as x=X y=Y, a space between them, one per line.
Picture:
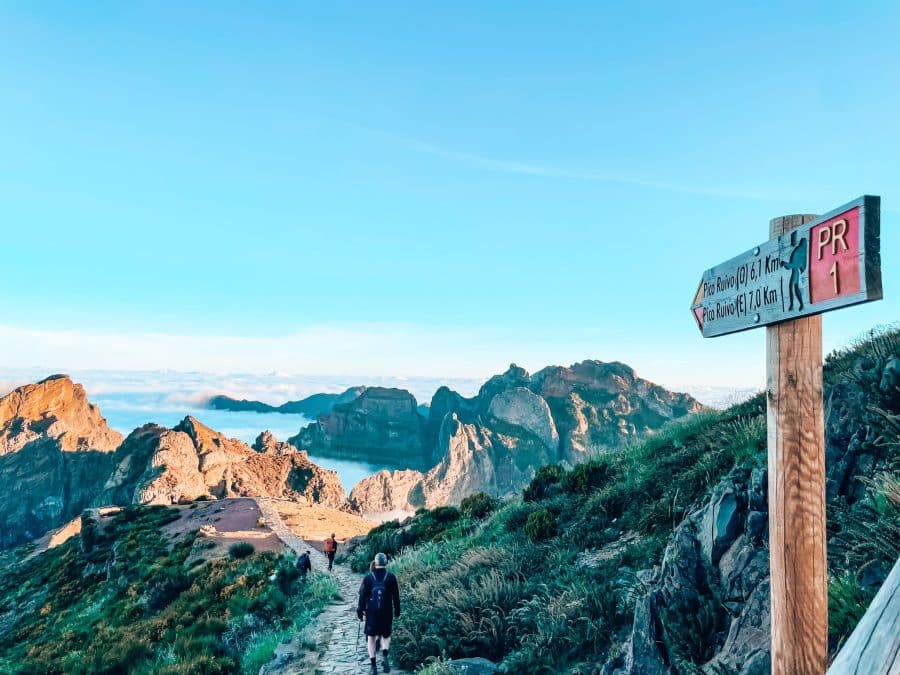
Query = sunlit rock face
x=495 y=441
x=55 y=451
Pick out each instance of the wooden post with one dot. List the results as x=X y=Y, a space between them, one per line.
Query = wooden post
x=797 y=538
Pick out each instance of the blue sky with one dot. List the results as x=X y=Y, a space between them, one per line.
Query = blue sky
x=422 y=189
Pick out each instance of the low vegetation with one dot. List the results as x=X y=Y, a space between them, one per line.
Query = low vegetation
x=507 y=583
x=128 y=599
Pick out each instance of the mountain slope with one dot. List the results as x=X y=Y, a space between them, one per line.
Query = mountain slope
x=152 y=589
x=653 y=559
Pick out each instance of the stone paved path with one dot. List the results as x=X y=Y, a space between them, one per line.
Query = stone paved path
x=337 y=625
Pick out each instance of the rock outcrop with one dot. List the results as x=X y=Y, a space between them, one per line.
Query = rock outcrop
x=381 y=424
x=54 y=408
x=156 y=465
x=389 y=491
x=266 y=443
x=55 y=450
x=495 y=441
x=598 y=406
x=717 y=559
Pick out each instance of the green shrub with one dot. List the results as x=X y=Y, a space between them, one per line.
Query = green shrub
x=540 y=525
x=136 y=603
x=477 y=506
x=390 y=538
x=587 y=476
x=847 y=603
x=544 y=483
x=242 y=549
x=515 y=516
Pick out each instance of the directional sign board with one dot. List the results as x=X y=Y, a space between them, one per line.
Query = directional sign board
x=831 y=262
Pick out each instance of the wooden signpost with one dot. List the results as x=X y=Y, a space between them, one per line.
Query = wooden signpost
x=810 y=265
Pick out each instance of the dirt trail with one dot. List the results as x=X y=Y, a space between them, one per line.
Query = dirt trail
x=336 y=628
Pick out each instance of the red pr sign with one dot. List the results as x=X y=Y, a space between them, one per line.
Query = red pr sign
x=830 y=262
x=834 y=257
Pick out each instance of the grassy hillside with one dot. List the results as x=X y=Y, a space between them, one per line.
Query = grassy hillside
x=127 y=598
x=547 y=582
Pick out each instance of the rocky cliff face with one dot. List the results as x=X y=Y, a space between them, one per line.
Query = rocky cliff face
x=55 y=449
x=54 y=408
x=156 y=465
x=713 y=580
x=602 y=405
x=712 y=588
x=495 y=441
x=58 y=456
x=382 y=424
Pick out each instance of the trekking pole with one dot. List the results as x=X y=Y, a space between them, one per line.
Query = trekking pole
x=358 y=628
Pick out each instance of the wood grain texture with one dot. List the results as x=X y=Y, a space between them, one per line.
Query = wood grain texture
x=874 y=646
x=796 y=453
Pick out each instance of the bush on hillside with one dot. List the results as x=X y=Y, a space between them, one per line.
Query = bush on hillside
x=242 y=549
x=390 y=538
x=540 y=525
x=137 y=603
x=544 y=483
x=477 y=506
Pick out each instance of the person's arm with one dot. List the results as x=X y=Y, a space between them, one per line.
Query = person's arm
x=395 y=592
x=363 y=597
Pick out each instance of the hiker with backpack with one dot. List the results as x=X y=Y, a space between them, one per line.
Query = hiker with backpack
x=379 y=601
x=330 y=550
x=304 y=564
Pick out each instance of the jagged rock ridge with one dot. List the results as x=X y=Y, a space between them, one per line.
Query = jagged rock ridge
x=59 y=456
x=516 y=423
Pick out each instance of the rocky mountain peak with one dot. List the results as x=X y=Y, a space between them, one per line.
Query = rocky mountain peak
x=267 y=443
x=54 y=408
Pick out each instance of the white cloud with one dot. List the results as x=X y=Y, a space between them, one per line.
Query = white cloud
x=328 y=358
x=366 y=349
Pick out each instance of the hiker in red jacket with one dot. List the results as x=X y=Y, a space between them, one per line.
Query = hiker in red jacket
x=330 y=550
x=379 y=600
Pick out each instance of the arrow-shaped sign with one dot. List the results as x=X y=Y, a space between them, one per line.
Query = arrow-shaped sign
x=829 y=263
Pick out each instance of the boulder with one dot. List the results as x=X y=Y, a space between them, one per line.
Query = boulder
x=471 y=666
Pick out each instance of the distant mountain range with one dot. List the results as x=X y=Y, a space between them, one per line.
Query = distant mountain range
x=492 y=442
x=311 y=406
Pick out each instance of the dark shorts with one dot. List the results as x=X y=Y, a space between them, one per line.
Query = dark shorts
x=380 y=624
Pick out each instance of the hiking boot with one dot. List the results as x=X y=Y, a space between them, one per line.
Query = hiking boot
x=386 y=665
x=373 y=669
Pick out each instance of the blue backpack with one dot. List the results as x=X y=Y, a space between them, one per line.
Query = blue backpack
x=378 y=597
